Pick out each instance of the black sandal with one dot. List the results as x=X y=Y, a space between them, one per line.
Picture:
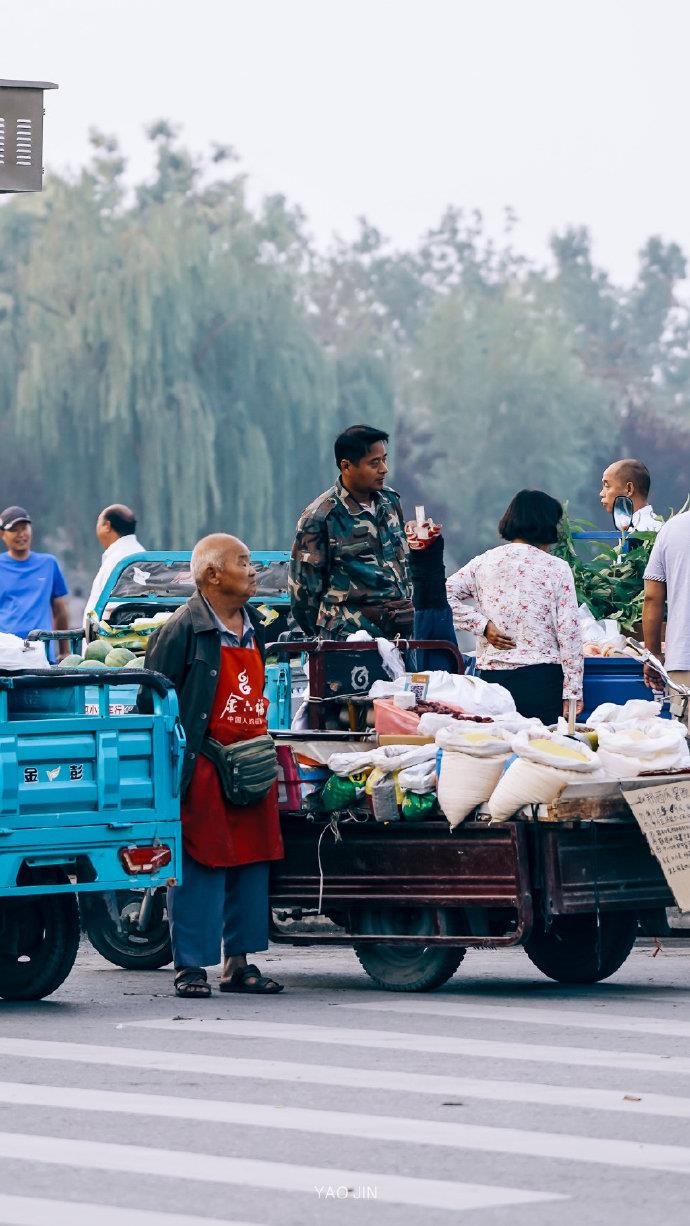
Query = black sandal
x=250 y=979
x=192 y=981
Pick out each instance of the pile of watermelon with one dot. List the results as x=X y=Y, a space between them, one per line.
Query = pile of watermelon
x=100 y=654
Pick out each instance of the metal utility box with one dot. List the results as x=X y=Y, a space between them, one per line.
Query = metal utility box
x=21 y=135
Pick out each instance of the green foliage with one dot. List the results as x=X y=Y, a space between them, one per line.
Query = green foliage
x=611 y=584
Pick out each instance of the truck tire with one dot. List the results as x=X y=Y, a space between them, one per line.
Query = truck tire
x=571 y=951
x=406 y=968
x=147 y=951
x=39 y=939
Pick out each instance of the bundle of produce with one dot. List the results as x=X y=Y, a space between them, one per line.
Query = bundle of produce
x=546 y=762
x=134 y=636
x=472 y=763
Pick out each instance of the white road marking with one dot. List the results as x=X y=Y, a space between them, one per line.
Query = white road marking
x=255 y=1173
x=518 y=1015
x=38 y=1210
x=625 y=1100
x=403 y=1131
x=392 y=1040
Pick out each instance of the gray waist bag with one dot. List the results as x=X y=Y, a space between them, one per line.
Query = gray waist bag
x=247 y=769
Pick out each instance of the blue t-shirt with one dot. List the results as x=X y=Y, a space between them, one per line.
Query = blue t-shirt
x=26 y=592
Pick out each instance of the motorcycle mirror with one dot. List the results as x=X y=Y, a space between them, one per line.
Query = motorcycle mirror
x=623 y=512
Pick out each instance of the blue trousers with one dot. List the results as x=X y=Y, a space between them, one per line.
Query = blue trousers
x=215 y=902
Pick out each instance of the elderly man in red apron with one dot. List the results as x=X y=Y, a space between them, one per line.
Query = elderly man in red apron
x=212 y=651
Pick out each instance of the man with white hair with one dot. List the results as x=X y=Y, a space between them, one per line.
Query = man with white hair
x=212 y=650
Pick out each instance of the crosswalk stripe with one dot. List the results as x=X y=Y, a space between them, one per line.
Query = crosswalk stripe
x=625 y=1100
x=254 y=1172
x=519 y=1015
x=38 y=1210
x=392 y=1040
x=484 y=1138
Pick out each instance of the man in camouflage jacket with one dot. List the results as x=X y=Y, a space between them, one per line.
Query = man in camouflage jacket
x=349 y=565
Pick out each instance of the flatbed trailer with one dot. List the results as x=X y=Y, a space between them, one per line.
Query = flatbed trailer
x=571 y=882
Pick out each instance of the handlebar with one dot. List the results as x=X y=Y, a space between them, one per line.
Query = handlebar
x=61 y=677
x=648 y=658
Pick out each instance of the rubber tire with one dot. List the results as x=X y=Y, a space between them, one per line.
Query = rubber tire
x=132 y=956
x=50 y=924
x=397 y=968
x=567 y=951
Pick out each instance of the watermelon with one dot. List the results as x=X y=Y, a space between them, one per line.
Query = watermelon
x=118 y=657
x=97 y=650
x=70 y=662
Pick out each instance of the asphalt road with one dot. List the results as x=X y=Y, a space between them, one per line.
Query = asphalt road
x=499 y=1099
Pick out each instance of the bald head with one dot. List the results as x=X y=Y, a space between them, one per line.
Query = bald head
x=115 y=521
x=625 y=478
x=221 y=566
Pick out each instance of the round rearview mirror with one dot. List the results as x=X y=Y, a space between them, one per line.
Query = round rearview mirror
x=623 y=512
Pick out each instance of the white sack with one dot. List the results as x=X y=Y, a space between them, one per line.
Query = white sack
x=474 y=740
x=546 y=749
x=527 y=783
x=344 y=764
x=635 y=709
x=430 y=722
x=14 y=655
x=390 y=758
x=466 y=781
x=659 y=744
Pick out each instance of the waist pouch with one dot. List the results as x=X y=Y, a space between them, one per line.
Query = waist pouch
x=247 y=769
x=393 y=617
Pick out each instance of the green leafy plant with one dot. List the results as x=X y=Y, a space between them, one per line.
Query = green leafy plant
x=610 y=584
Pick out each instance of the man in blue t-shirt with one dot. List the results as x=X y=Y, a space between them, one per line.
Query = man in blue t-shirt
x=32 y=586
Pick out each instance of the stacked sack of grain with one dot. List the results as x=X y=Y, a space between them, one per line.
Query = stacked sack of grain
x=545 y=763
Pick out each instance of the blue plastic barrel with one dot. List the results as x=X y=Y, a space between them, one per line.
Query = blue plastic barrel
x=612 y=679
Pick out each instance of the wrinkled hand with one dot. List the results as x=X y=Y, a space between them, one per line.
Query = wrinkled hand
x=578 y=709
x=497 y=638
x=652 y=679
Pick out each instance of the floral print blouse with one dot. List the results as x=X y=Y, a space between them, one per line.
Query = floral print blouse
x=529 y=595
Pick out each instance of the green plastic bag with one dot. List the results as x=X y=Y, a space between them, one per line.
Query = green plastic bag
x=338 y=793
x=416 y=807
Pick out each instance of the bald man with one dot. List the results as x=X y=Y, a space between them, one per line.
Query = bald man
x=630 y=478
x=212 y=650
x=116 y=530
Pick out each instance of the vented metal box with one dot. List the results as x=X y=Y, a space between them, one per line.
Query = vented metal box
x=21 y=135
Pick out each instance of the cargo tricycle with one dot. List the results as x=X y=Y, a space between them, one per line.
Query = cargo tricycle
x=570 y=881
x=89 y=802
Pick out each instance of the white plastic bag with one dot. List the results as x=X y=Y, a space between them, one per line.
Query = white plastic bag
x=15 y=655
x=420 y=779
x=471 y=694
x=477 y=740
x=344 y=764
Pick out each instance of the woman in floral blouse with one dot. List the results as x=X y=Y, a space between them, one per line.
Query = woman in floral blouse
x=520 y=602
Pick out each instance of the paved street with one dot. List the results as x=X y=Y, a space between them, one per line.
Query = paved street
x=500 y=1099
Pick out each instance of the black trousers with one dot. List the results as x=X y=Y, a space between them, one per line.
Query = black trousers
x=536 y=688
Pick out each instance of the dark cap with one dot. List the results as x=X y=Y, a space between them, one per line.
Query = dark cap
x=12 y=516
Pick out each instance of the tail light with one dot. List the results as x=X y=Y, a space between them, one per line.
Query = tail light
x=144 y=859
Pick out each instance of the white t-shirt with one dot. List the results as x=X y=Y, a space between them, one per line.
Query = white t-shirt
x=645 y=520
x=669 y=563
x=123 y=547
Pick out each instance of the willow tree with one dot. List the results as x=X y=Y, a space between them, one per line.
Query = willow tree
x=159 y=354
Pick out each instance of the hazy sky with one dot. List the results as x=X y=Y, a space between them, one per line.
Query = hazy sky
x=567 y=111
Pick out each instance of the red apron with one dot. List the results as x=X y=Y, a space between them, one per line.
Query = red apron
x=215 y=832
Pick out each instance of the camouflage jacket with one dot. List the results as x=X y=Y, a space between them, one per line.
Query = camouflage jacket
x=344 y=558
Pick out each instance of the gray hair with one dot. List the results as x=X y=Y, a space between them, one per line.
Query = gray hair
x=208 y=552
